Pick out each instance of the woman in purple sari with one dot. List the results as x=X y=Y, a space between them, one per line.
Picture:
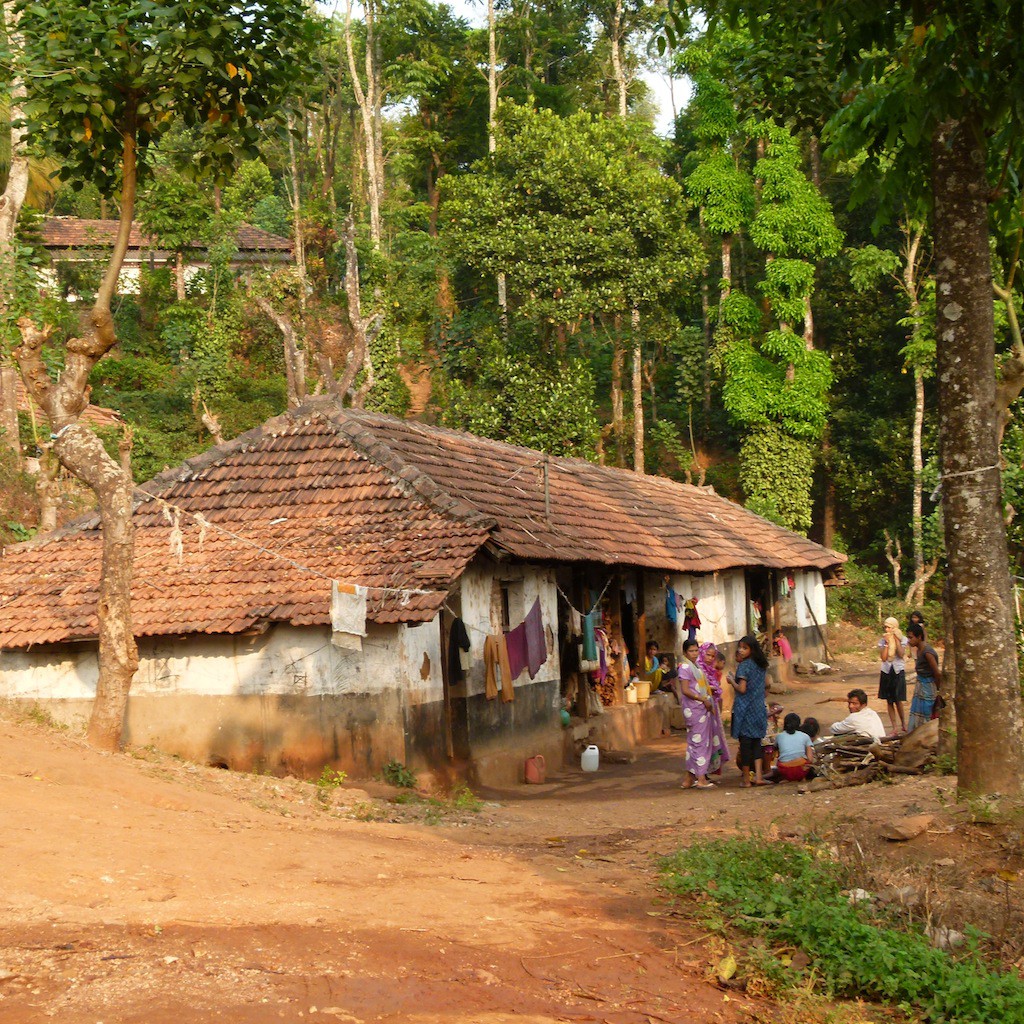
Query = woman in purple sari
x=712 y=663
x=700 y=715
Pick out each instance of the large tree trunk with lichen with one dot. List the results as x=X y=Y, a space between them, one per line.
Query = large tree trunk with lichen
x=9 y=410
x=294 y=357
x=990 y=723
x=618 y=412
x=368 y=99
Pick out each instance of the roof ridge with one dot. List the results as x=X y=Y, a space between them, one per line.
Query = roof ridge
x=410 y=479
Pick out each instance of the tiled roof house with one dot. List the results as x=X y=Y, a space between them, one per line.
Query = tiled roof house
x=238 y=551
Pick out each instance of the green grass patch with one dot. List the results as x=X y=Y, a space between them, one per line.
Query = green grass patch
x=794 y=896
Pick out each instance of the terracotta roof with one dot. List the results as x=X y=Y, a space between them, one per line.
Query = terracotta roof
x=290 y=506
x=75 y=233
x=592 y=513
x=94 y=415
x=325 y=493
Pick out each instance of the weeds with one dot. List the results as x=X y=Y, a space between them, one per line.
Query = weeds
x=793 y=896
x=397 y=774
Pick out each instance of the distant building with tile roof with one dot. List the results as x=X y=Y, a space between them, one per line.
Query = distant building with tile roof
x=252 y=559
x=76 y=240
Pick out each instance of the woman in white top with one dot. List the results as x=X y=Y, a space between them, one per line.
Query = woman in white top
x=892 y=680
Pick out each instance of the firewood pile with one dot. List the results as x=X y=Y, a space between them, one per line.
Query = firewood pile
x=850 y=760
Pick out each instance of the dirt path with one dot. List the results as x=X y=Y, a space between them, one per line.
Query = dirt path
x=143 y=889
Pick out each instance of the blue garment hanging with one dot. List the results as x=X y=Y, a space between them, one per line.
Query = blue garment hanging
x=671 y=608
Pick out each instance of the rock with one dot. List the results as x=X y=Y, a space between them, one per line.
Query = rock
x=945 y=862
x=918 y=747
x=942 y=937
x=860 y=896
x=907 y=828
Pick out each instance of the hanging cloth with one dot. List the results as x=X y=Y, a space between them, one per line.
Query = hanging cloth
x=589 y=642
x=671 y=608
x=515 y=640
x=458 y=640
x=536 y=645
x=496 y=657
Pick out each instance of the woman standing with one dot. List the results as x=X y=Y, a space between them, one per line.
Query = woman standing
x=698 y=706
x=929 y=677
x=892 y=678
x=749 y=714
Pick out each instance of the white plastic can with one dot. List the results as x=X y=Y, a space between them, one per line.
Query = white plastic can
x=590 y=759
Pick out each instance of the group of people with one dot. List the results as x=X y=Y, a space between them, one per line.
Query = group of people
x=698 y=683
x=894 y=650
x=701 y=676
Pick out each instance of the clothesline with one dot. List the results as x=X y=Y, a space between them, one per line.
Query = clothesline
x=572 y=607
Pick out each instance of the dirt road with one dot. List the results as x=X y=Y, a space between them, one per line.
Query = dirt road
x=143 y=889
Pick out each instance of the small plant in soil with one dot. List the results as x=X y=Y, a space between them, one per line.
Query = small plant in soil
x=330 y=780
x=397 y=774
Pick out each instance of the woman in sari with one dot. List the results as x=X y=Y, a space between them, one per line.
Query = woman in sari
x=698 y=704
x=711 y=662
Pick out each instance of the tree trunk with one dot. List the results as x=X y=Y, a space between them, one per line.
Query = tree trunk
x=638 y=396
x=294 y=357
x=9 y=410
x=618 y=70
x=990 y=736
x=295 y=198
x=726 y=268
x=179 y=276
x=828 y=516
x=82 y=453
x=916 y=595
x=367 y=101
x=911 y=287
x=492 y=110
x=618 y=415
x=364 y=331
x=11 y=201
x=947 y=716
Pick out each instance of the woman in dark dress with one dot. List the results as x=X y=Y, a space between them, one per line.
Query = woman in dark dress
x=749 y=713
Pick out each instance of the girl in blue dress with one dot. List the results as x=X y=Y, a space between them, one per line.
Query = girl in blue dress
x=749 y=713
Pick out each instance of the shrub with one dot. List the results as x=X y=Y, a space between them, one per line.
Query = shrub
x=794 y=896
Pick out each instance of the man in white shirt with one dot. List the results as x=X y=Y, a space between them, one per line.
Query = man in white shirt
x=861 y=719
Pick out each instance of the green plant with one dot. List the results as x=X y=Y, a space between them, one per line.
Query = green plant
x=330 y=779
x=794 y=896
x=462 y=798
x=397 y=774
x=945 y=764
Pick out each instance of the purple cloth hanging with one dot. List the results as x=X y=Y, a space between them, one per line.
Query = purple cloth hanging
x=536 y=647
x=515 y=641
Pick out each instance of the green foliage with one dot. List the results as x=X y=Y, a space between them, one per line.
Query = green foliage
x=576 y=212
x=174 y=210
x=547 y=407
x=98 y=73
x=250 y=185
x=859 y=600
x=330 y=779
x=671 y=455
x=724 y=192
x=794 y=896
x=395 y=773
x=776 y=472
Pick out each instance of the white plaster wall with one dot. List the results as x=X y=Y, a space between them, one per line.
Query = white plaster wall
x=526 y=583
x=419 y=662
x=809 y=585
x=287 y=660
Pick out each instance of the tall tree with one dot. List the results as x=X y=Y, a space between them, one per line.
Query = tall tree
x=103 y=84
x=934 y=103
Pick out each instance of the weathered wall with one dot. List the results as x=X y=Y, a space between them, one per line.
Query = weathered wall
x=500 y=736
x=721 y=604
x=286 y=700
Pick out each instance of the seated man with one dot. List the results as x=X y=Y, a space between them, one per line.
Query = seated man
x=861 y=719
